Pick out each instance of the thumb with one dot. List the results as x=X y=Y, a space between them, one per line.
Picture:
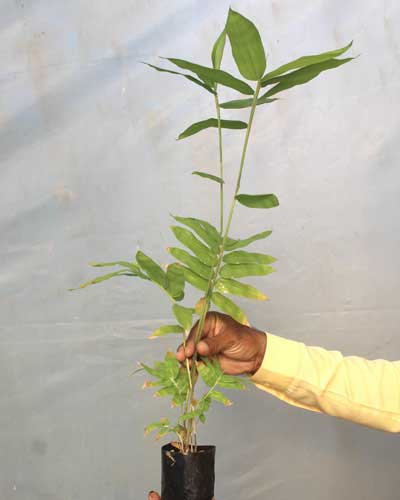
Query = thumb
x=214 y=345
x=154 y=496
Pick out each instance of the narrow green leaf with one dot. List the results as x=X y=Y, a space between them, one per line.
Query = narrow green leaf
x=190 y=415
x=166 y=330
x=210 y=372
x=258 y=200
x=208 y=176
x=152 y=269
x=172 y=365
x=234 y=287
x=195 y=280
x=188 y=239
x=233 y=244
x=184 y=316
x=122 y=263
x=243 y=257
x=220 y=397
x=211 y=123
x=229 y=307
x=192 y=262
x=304 y=61
x=104 y=277
x=241 y=270
x=247 y=47
x=176 y=282
x=163 y=423
x=188 y=77
x=301 y=76
x=230 y=382
x=207 y=232
x=246 y=103
x=218 y=50
x=214 y=75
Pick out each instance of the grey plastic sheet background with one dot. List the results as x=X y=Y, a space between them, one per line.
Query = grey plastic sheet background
x=90 y=170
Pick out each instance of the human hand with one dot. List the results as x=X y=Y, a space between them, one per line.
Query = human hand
x=239 y=349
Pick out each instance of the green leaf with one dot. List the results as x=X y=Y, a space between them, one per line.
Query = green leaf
x=188 y=77
x=246 y=103
x=218 y=50
x=202 y=418
x=171 y=365
x=247 y=47
x=165 y=330
x=208 y=176
x=229 y=382
x=210 y=372
x=184 y=316
x=176 y=281
x=237 y=288
x=301 y=76
x=241 y=270
x=235 y=244
x=195 y=280
x=123 y=263
x=258 y=200
x=104 y=277
x=214 y=75
x=162 y=424
x=229 y=307
x=304 y=61
x=242 y=257
x=188 y=239
x=211 y=122
x=207 y=232
x=220 y=397
x=152 y=269
x=192 y=262
x=190 y=415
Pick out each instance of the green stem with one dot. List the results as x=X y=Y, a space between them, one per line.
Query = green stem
x=214 y=277
x=221 y=166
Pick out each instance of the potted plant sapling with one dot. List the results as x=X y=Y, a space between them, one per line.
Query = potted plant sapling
x=209 y=258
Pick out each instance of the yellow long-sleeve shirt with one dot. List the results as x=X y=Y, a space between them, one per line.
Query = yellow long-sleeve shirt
x=363 y=391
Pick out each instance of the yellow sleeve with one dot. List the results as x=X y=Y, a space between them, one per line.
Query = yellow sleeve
x=363 y=391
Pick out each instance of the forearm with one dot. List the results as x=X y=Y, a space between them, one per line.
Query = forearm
x=363 y=391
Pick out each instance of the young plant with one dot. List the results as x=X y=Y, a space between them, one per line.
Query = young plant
x=212 y=261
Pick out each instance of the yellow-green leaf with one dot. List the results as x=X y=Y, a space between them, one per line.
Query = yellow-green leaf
x=166 y=330
x=176 y=281
x=184 y=316
x=104 y=277
x=195 y=280
x=258 y=200
x=241 y=270
x=207 y=232
x=211 y=123
x=188 y=239
x=247 y=47
x=220 y=397
x=243 y=257
x=231 y=286
x=192 y=262
x=233 y=244
x=152 y=269
x=229 y=307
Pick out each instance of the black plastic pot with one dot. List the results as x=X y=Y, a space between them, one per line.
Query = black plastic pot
x=187 y=477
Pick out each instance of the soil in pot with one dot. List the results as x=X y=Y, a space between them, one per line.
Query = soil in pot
x=187 y=477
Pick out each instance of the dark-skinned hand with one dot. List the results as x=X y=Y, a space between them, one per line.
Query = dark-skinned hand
x=239 y=349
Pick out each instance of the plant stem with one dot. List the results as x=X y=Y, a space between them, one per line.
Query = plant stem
x=221 y=166
x=214 y=277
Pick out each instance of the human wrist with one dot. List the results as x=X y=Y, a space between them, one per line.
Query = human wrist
x=260 y=339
